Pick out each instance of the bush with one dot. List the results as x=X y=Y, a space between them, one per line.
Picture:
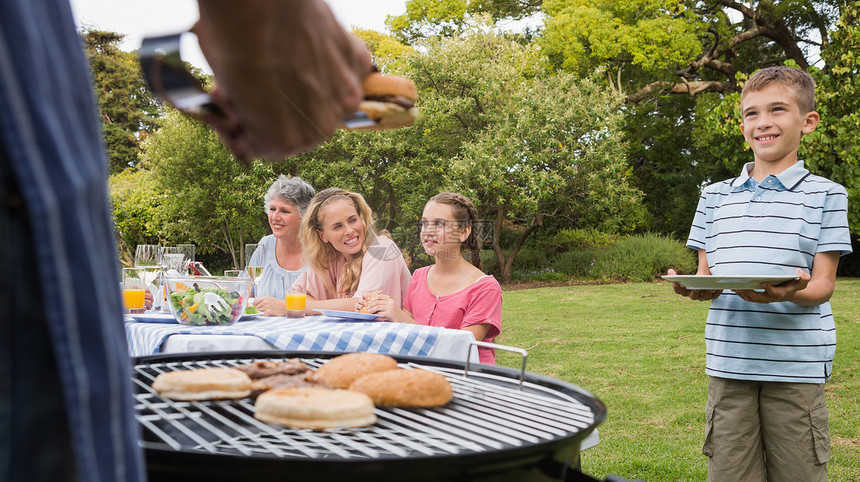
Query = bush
x=543 y=274
x=568 y=240
x=643 y=258
x=636 y=258
x=577 y=263
x=530 y=257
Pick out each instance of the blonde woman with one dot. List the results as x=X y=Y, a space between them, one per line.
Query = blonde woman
x=345 y=256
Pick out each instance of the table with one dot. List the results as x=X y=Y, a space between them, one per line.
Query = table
x=312 y=333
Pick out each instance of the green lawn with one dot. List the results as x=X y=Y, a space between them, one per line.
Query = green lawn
x=640 y=349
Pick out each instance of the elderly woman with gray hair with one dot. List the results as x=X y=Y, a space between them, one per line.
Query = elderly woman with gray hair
x=286 y=201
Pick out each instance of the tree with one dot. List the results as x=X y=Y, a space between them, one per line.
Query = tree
x=674 y=61
x=532 y=146
x=649 y=47
x=128 y=110
x=425 y=19
x=135 y=202
x=206 y=195
x=833 y=150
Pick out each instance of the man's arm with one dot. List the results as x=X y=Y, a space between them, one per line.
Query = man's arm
x=286 y=71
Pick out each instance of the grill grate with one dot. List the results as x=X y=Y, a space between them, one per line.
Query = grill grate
x=488 y=412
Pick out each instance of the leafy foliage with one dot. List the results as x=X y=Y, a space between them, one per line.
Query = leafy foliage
x=135 y=200
x=833 y=150
x=207 y=196
x=388 y=54
x=534 y=129
x=641 y=257
x=128 y=110
x=534 y=145
x=581 y=36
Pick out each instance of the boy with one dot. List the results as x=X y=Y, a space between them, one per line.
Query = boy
x=769 y=352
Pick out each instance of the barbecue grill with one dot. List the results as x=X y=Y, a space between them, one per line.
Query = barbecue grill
x=496 y=428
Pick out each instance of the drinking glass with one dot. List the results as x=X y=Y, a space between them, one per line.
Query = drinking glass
x=233 y=273
x=188 y=250
x=133 y=290
x=173 y=258
x=295 y=300
x=147 y=255
x=255 y=256
x=148 y=259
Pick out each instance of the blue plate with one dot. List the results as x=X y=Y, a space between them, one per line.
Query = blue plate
x=349 y=315
x=168 y=318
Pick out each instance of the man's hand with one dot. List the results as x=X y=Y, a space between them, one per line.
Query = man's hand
x=286 y=73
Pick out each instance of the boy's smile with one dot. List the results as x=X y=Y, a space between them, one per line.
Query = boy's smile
x=773 y=125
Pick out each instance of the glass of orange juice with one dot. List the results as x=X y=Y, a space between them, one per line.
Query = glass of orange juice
x=295 y=299
x=133 y=290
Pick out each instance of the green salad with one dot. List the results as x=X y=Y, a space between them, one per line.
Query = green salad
x=200 y=306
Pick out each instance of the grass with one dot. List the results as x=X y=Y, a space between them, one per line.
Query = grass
x=640 y=349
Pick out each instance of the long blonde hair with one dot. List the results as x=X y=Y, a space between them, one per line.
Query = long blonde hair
x=320 y=254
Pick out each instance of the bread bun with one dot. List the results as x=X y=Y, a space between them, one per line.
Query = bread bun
x=315 y=408
x=389 y=100
x=341 y=371
x=379 y=85
x=405 y=388
x=203 y=384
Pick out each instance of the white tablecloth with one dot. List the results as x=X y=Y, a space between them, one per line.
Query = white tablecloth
x=312 y=333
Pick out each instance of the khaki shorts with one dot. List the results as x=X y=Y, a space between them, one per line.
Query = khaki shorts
x=766 y=431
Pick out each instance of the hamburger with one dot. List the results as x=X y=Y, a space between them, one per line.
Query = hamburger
x=368 y=299
x=389 y=102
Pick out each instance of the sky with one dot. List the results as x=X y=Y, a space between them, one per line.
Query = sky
x=138 y=18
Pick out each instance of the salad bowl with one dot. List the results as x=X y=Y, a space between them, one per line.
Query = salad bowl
x=207 y=300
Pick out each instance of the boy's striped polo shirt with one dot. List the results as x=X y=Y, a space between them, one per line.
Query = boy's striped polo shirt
x=770 y=228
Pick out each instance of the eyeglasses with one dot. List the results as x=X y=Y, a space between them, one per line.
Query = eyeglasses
x=427 y=225
x=168 y=77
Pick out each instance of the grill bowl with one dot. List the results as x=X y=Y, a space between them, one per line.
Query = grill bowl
x=491 y=431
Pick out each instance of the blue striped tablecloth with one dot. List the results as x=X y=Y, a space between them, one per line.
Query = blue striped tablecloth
x=312 y=333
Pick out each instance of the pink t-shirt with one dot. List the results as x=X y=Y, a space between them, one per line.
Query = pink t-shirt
x=382 y=268
x=479 y=303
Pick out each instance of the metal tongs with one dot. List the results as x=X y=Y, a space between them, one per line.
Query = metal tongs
x=169 y=78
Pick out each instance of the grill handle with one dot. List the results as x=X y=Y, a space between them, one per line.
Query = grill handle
x=494 y=346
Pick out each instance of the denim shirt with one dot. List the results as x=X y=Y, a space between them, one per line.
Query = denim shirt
x=51 y=136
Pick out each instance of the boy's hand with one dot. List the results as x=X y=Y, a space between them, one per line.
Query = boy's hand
x=783 y=292
x=696 y=295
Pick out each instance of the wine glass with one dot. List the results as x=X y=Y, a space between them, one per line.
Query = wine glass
x=188 y=250
x=148 y=259
x=147 y=255
x=173 y=258
x=255 y=258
